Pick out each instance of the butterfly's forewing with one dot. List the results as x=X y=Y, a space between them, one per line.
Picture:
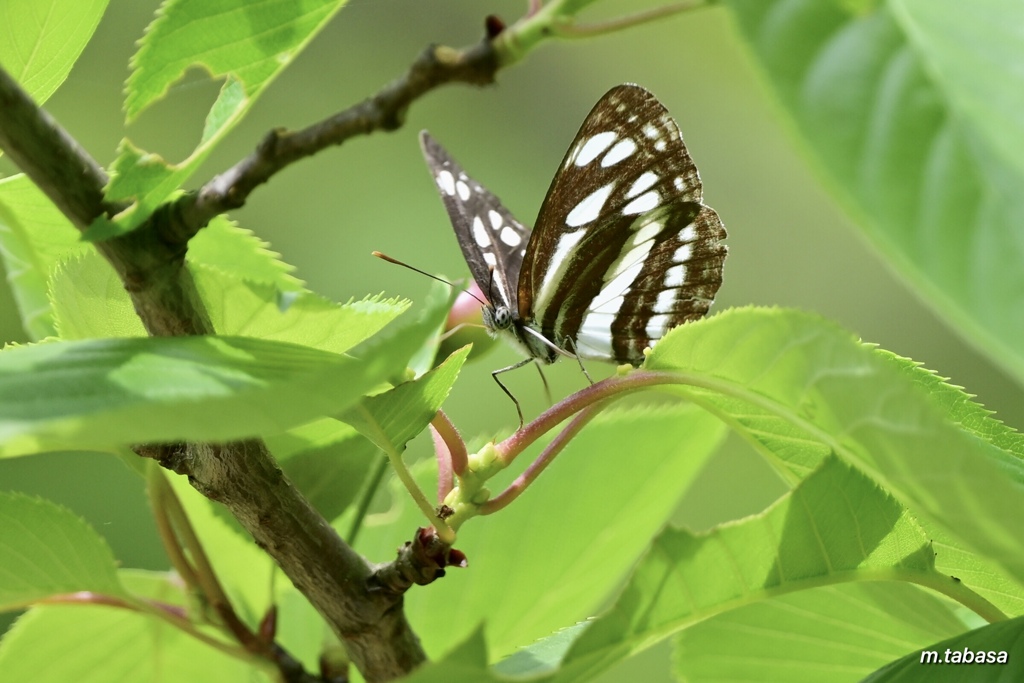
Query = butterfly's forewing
x=624 y=248
x=492 y=241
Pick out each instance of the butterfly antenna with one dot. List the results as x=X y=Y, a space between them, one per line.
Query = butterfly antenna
x=389 y=259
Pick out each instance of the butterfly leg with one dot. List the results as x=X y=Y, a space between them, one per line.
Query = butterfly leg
x=579 y=360
x=547 y=389
x=508 y=393
x=585 y=373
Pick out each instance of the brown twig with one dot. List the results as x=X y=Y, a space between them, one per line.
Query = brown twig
x=452 y=462
x=618 y=385
x=385 y=111
x=581 y=407
x=620 y=23
x=546 y=457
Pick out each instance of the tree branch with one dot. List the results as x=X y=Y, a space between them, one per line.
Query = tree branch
x=54 y=160
x=336 y=580
x=385 y=111
x=241 y=475
x=151 y=269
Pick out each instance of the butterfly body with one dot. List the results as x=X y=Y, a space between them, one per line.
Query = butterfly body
x=624 y=249
x=524 y=334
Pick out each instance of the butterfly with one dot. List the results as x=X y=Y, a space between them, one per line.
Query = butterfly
x=624 y=248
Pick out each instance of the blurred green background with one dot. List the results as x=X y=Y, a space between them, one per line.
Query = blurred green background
x=790 y=245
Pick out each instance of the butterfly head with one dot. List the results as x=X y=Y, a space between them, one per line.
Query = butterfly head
x=498 y=317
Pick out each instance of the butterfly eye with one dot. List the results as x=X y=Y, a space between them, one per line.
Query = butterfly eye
x=502 y=318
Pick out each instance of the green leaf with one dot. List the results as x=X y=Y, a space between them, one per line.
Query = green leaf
x=143 y=180
x=839 y=633
x=46 y=551
x=327 y=460
x=912 y=111
x=93 y=644
x=394 y=417
x=799 y=387
x=256 y=310
x=43 y=39
x=979 y=573
x=234 y=250
x=98 y=394
x=467 y=661
x=543 y=656
x=1003 y=658
x=835 y=526
x=972 y=58
x=89 y=301
x=246 y=45
x=34 y=237
x=439 y=301
x=958 y=406
x=554 y=555
x=228 y=38
x=414 y=341
x=954 y=558
x=55 y=290
x=300 y=629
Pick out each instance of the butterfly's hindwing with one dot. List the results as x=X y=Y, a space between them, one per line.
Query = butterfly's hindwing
x=623 y=249
x=493 y=242
x=677 y=284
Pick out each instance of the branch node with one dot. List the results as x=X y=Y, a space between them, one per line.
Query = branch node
x=267 y=148
x=420 y=561
x=493 y=26
x=444 y=55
